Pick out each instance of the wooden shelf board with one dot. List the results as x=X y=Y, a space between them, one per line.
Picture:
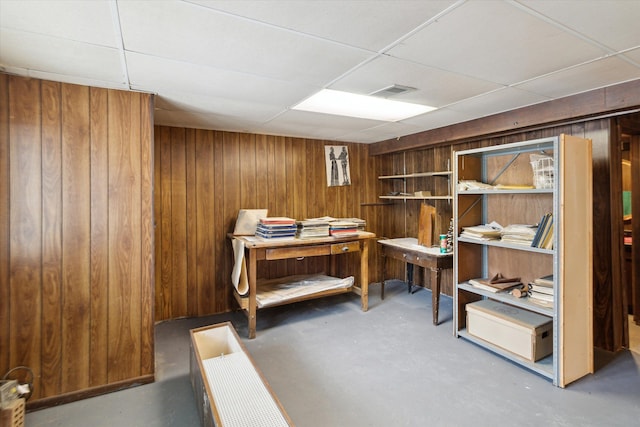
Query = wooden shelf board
x=417 y=197
x=499 y=244
x=509 y=299
x=416 y=175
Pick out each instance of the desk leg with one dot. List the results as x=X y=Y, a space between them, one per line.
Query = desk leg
x=435 y=293
x=253 y=290
x=364 y=275
x=409 y=277
x=384 y=274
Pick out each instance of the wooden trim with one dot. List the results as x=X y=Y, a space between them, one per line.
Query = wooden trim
x=616 y=98
x=60 y=399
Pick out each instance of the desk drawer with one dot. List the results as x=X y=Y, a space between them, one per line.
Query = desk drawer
x=343 y=248
x=297 y=252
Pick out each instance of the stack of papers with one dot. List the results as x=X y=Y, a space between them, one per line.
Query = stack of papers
x=518 y=234
x=343 y=228
x=311 y=228
x=482 y=232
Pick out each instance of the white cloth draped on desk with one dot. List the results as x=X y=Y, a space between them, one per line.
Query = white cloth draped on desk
x=239 y=273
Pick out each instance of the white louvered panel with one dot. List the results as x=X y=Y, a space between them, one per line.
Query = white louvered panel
x=239 y=394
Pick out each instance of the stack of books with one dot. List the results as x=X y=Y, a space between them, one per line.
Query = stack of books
x=541 y=291
x=342 y=228
x=497 y=283
x=276 y=228
x=311 y=228
x=544 y=235
x=518 y=234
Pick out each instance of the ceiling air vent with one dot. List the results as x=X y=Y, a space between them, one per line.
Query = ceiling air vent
x=392 y=91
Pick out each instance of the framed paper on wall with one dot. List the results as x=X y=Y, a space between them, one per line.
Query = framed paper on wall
x=337 y=165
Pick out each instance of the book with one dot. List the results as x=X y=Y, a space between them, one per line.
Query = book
x=496 y=284
x=538 y=296
x=548 y=240
x=544 y=281
x=273 y=220
x=514 y=187
x=544 y=235
x=541 y=226
x=541 y=302
x=541 y=289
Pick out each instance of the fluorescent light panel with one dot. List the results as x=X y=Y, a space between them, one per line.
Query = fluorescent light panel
x=330 y=101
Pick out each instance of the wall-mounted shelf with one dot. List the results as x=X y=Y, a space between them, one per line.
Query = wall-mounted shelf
x=408 y=196
x=416 y=175
x=417 y=197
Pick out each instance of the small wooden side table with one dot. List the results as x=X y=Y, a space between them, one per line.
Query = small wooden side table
x=408 y=250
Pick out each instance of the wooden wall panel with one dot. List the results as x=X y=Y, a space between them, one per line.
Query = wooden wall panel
x=178 y=222
x=51 y=238
x=147 y=259
x=191 y=223
x=125 y=269
x=204 y=219
x=25 y=225
x=76 y=243
x=76 y=232
x=228 y=171
x=5 y=173
x=99 y=343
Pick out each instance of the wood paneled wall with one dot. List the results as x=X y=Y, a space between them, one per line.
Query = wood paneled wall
x=76 y=239
x=202 y=179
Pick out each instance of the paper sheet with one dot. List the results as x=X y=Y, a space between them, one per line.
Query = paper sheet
x=239 y=273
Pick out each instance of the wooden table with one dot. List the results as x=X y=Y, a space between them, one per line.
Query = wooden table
x=257 y=249
x=408 y=250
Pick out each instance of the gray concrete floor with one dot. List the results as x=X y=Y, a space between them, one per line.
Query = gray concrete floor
x=331 y=364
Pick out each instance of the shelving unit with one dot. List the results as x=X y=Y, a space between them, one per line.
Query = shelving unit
x=570 y=201
x=404 y=177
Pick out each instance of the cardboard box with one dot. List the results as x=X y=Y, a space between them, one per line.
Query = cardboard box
x=521 y=332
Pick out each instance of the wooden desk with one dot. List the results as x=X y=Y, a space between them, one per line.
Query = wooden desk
x=257 y=249
x=408 y=250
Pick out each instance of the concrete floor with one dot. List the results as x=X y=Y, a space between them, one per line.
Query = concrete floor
x=330 y=364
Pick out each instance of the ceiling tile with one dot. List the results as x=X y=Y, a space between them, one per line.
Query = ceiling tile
x=612 y=23
x=60 y=56
x=250 y=111
x=371 y=25
x=323 y=126
x=434 y=87
x=249 y=47
x=86 y=21
x=574 y=80
x=438 y=118
x=633 y=55
x=380 y=133
x=159 y=75
x=495 y=41
x=197 y=120
x=497 y=102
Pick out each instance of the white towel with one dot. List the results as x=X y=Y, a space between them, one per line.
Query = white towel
x=239 y=273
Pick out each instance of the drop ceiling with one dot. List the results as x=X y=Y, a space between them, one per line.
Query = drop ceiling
x=242 y=65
